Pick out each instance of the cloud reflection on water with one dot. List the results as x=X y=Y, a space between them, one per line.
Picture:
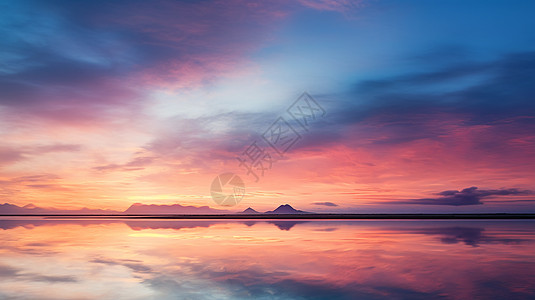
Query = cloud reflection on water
x=152 y=259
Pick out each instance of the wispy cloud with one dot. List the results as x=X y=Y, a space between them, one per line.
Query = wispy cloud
x=333 y=5
x=137 y=163
x=11 y=154
x=331 y=204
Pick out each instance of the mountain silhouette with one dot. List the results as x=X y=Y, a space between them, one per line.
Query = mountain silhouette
x=286 y=209
x=30 y=209
x=139 y=208
x=249 y=211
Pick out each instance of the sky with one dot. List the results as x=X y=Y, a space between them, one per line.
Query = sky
x=420 y=106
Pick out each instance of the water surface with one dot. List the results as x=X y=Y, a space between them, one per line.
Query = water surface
x=209 y=259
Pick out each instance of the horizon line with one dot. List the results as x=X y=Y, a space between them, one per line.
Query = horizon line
x=317 y=216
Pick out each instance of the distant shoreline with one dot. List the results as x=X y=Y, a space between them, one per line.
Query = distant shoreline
x=283 y=216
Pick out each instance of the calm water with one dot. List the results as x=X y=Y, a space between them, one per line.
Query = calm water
x=122 y=259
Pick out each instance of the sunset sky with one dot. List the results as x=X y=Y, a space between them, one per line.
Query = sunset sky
x=429 y=105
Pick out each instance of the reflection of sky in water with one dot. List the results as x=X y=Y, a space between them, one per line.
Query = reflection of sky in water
x=114 y=259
